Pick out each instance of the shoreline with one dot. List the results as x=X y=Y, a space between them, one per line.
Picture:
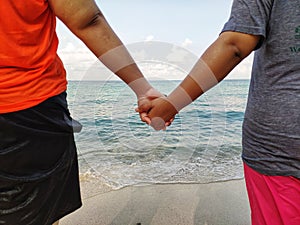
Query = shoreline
x=217 y=203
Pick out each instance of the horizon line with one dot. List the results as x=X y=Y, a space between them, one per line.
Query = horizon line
x=230 y=79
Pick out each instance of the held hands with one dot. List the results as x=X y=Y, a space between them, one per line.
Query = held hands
x=162 y=113
x=144 y=104
x=155 y=109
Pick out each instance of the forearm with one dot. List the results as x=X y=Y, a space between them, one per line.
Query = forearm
x=86 y=21
x=105 y=44
x=213 y=66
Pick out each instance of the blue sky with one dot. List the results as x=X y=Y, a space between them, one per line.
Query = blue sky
x=192 y=24
x=166 y=20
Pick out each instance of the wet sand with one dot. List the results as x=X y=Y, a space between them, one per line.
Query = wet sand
x=220 y=203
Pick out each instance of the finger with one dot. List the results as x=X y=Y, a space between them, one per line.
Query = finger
x=144 y=105
x=145 y=118
x=168 y=124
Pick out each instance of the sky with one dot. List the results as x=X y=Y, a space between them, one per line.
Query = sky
x=190 y=24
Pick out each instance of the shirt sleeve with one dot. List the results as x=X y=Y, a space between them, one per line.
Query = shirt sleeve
x=250 y=17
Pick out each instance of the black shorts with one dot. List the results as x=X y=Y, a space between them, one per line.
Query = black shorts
x=39 y=181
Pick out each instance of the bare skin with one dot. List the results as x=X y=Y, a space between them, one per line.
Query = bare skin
x=221 y=57
x=85 y=20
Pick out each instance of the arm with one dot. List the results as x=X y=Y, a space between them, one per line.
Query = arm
x=85 y=20
x=214 y=65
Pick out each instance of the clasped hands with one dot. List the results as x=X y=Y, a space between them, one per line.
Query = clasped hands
x=156 y=110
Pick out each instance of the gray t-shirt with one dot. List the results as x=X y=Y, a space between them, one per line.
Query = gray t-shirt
x=271 y=128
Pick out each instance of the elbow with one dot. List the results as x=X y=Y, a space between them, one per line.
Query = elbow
x=233 y=48
x=239 y=44
x=90 y=20
x=237 y=52
x=83 y=19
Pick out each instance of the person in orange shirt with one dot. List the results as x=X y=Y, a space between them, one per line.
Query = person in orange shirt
x=38 y=182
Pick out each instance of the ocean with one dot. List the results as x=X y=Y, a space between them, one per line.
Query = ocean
x=202 y=145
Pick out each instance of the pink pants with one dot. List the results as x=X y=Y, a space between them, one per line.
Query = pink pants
x=274 y=200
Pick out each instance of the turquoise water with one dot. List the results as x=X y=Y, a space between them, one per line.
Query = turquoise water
x=202 y=145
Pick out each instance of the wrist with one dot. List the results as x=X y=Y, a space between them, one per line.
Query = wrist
x=179 y=98
x=141 y=87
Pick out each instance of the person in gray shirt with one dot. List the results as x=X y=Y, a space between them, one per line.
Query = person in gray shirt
x=271 y=128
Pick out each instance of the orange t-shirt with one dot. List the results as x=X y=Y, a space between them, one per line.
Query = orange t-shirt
x=30 y=70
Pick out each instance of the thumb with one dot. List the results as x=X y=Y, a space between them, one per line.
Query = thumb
x=144 y=105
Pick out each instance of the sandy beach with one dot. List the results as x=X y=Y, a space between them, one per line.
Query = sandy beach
x=220 y=203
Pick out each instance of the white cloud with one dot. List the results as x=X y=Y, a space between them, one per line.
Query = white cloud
x=149 y=38
x=69 y=47
x=161 y=71
x=139 y=55
x=186 y=42
x=182 y=58
x=243 y=70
